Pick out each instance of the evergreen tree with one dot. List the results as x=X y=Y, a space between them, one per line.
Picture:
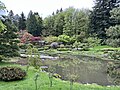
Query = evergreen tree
x=11 y=15
x=34 y=24
x=53 y=13
x=22 y=22
x=16 y=20
x=61 y=10
x=113 y=32
x=39 y=24
x=8 y=40
x=100 y=17
x=57 y=11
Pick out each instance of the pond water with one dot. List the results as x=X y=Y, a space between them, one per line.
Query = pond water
x=83 y=69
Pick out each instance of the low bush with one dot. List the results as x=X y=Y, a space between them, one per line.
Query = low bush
x=93 y=41
x=64 y=38
x=2 y=58
x=23 y=46
x=51 y=39
x=115 y=55
x=63 y=49
x=11 y=73
x=113 y=70
x=113 y=42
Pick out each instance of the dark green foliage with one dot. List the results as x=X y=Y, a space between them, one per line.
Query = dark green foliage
x=100 y=17
x=113 y=32
x=11 y=15
x=16 y=19
x=22 y=22
x=11 y=73
x=24 y=46
x=34 y=24
x=8 y=40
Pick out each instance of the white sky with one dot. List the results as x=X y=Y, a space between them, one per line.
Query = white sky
x=44 y=7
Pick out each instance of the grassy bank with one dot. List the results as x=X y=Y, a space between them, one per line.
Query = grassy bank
x=43 y=83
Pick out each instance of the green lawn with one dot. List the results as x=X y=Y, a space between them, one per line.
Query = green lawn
x=43 y=82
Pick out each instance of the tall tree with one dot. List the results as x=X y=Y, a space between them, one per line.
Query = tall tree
x=61 y=10
x=49 y=26
x=8 y=40
x=80 y=21
x=68 y=29
x=39 y=24
x=16 y=20
x=100 y=17
x=34 y=24
x=113 y=32
x=11 y=15
x=59 y=24
x=22 y=22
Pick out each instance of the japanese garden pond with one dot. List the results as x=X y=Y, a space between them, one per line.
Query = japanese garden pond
x=83 y=69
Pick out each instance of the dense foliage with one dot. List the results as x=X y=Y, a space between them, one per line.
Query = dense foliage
x=8 y=38
x=22 y=22
x=69 y=22
x=113 y=32
x=34 y=24
x=11 y=73
x=100 y=17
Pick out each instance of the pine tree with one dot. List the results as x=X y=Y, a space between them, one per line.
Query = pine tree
x=8 y=40
x=34 y=24
x=39 y=24
x=61 y=10
x=100 y=17
x=22 y=22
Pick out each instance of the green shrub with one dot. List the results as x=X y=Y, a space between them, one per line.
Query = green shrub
x=115 y=55
x=51 y=39
x=2 y=58
x=40 y=49
x=93 y=41
x=64 y=38
x=76 y=44
x=63 y=49
x=23 y=46
x=113 y=34
x=114 y=72
x=11 y=73
x=113 y=42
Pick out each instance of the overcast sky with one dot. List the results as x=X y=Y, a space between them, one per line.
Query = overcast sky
x=44 y=7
